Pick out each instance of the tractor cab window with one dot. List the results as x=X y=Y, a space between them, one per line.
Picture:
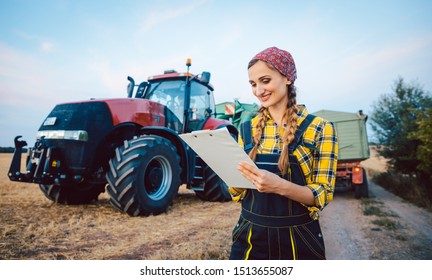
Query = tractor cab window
x=200 y=104
x=170 y=94
x=200 y=101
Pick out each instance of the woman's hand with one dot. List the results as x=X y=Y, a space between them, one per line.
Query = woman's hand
x=269 y=182
x=264 y=180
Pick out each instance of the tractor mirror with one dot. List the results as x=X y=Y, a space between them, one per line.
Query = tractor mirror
x=130 y=86
x=141 y=90
x=205 y=77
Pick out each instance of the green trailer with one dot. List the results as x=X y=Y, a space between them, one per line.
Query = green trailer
x=353 y=148
x=236 y=112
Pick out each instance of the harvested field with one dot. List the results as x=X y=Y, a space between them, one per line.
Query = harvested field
x=33 y=227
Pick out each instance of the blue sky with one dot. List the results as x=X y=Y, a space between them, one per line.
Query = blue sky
x=347 y=53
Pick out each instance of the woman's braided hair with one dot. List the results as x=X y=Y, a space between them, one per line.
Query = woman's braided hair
x=291 y=119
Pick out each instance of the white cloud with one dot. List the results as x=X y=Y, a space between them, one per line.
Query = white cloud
x=395 y=59
x=159 y=17
x=27 y=79
x=47 y=47
x=19 y=70
x=231 y=36
x=109 y=77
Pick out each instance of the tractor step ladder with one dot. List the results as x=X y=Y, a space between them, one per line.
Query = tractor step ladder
x=198 y=180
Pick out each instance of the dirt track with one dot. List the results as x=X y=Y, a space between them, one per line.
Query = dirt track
x=396 y=230
x=404 y=234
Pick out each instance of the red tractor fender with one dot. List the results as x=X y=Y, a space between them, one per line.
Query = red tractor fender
x=213 y=123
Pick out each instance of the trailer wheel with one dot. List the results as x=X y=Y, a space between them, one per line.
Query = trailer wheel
x=215 y=188
x=71 y=193
x=362 y=190
x=144 y=176
x=357 y=191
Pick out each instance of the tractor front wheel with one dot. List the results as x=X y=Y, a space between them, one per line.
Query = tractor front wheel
x=215 y=188
x=144 y=176
x=73 y=193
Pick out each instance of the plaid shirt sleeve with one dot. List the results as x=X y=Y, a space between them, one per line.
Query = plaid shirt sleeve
x=238 y=194
x=319 y=162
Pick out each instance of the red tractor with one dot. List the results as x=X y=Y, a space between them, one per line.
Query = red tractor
x=131 y=144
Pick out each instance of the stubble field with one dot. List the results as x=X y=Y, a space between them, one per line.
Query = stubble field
x=33 y=227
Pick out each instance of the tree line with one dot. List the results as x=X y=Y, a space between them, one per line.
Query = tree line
x=402 y=122
x=7 y=149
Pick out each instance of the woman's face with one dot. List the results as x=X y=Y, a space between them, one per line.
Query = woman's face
x=268 y=85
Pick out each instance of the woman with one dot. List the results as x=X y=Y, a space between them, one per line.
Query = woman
x=296 y=156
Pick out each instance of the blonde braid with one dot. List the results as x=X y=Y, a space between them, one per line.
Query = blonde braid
x=259 y=129
x=288 y=137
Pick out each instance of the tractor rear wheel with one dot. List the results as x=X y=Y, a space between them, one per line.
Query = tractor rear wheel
x=144 y=176
x=215 y=188
x=73 y=193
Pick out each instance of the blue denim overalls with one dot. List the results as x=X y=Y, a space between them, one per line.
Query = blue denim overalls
x=272 y=226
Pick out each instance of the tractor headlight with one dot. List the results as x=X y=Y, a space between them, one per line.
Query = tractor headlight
x=79 y=135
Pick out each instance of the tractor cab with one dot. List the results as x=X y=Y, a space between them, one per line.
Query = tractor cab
x=188 y=98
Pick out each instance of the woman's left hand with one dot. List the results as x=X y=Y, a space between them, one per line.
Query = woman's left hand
x=264 y=180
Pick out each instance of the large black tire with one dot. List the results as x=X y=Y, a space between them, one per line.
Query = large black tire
x=362 y=190
x=357 y=191
x=365 y=188
x=144 y=176
x=70 y=193
x=215 y=188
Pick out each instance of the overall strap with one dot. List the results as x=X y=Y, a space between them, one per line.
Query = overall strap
x=246 y=135
x=298 y=136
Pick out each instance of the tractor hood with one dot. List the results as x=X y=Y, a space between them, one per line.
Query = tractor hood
x=123 y=110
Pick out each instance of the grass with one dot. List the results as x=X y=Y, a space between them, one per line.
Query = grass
x=373 y=207
x=386 y=223
x=372 y=210
x=409 y=188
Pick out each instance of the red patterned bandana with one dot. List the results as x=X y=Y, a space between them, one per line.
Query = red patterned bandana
x=281 y=60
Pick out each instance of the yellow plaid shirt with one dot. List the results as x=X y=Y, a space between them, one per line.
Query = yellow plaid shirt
x=318 y=165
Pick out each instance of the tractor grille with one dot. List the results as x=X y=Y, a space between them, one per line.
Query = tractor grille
x=91 y=117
